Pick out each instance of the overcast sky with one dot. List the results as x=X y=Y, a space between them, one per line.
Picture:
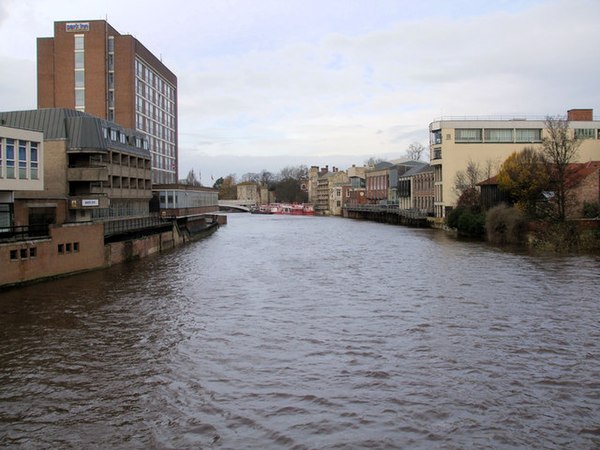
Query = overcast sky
x=264 y=84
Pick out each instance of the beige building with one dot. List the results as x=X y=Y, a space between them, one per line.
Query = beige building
x=21 y=168
x=453 y=143
x=95 y=170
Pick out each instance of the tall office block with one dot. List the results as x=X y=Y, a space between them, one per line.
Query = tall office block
x=89 y=66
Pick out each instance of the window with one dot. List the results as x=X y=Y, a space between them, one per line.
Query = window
x=32 y=252
x=79 y=99
x=79 y=79
x=113 y=135
x=13 y=255
x=585 y=133
x=75 y=247
x=468 y=135
x=79 y=60
x=111 y=44
x=499 y=135
x=23 y=252
x=528 y=135
x=68 y=247
x=78 y=41
x=437 y=153
x=22 y=160
x=10 y=158
x=61 y=249
x=436 y=137
x=0 y=158
x=33 y=159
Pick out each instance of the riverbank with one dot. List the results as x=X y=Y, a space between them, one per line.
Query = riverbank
x=75 y=248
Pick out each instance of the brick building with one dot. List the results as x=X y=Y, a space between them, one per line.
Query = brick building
x=91 y=67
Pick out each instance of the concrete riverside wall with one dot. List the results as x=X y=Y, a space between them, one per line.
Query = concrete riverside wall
x=118 y=252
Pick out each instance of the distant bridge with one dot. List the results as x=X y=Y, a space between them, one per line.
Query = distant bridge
x=238 y=205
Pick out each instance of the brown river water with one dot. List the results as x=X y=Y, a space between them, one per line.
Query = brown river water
x=308 y=332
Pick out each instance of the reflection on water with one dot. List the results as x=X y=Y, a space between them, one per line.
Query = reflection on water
x=300 y=332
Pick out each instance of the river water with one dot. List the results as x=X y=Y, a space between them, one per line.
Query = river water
x=308 y=332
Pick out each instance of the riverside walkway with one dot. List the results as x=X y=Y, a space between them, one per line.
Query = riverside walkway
x=388 y=214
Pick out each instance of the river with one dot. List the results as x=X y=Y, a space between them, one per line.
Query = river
x=308 y=332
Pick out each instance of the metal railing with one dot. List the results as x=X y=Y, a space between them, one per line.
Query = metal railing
x=23 y=233
x=124 y=225
x=388 y=208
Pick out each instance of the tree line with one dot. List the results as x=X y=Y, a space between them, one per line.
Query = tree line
x=289 y=185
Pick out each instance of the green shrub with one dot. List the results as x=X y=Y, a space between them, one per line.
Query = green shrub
x=505 y=225
x=471 y=224
x=453 y=216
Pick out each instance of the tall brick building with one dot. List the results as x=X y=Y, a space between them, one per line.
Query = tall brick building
x=89 y=66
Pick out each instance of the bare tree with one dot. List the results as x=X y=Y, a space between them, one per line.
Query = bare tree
x=251 y=177
x=467 y=178
x=560 y=148
x=415 y=151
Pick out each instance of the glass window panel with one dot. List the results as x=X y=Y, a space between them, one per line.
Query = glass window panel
x=79 y=98
x=528 y=135
x=79 y=60
x=79 y=78
x=79 y=42
x=499 y=135
x=468 y=135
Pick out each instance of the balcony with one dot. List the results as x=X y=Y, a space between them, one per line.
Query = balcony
x=87 y=174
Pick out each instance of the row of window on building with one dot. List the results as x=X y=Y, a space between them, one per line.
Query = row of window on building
x=154 y=80
x=187 y=199
x=119 y=136
x=19 y=159
x=506 y=135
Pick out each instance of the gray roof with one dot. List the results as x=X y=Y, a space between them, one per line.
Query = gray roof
x=82 y=130
x=423 y=167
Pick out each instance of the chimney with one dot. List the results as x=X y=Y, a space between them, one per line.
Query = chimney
x=578 y=115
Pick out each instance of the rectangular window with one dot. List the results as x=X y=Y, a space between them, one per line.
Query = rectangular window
x=79 y=98
x=32 y=252
x=68 y=247
x=111 y=44
x=79 y=79
x=528 y=135
x=468 y=135
x=436 y=137
x=22 y=160
x=14 y=255
x=10 y=158
x=61 y=249
x=23 y=252
x=75 y=247
x=1 y=171
x=499 y=135
x=78 y=41
x=79 y=60
x=585 y=133
x=33 y=160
